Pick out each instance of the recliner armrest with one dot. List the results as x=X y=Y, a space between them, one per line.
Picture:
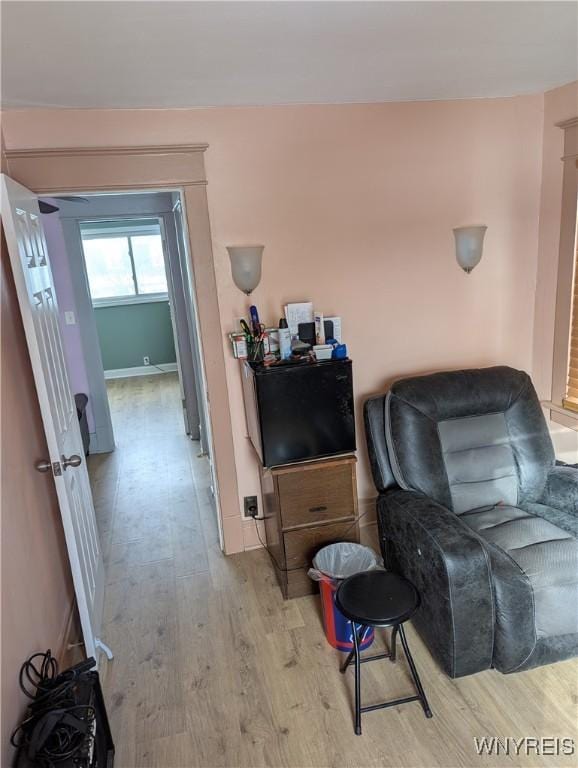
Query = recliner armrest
x=561 y=491
x=449 y=565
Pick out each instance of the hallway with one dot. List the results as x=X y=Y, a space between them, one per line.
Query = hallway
x=213 y=668
x=150 y=492
x=159 y=534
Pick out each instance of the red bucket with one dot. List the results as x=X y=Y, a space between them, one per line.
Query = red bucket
x=337 y=628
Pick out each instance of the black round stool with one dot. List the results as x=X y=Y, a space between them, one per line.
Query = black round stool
x=379 y=599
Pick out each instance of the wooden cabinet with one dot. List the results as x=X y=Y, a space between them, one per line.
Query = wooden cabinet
x=307 y=506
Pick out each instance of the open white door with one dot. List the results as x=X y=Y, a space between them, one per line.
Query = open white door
x=37 y=299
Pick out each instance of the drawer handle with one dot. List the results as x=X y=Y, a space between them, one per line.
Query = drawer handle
x=318 y=509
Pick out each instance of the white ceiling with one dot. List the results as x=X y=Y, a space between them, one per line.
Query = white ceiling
x=189 y=54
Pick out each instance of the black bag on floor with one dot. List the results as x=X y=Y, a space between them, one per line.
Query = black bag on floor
x=66 y=724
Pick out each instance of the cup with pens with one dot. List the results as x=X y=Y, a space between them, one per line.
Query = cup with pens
x=254 y=336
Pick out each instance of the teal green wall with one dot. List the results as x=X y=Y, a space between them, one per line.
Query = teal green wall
x=128 y=332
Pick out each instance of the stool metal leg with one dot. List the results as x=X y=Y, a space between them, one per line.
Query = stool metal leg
x=414 y=674
x=392 y=649
x=362 y=633
x=347 y=661
x=355 y=655
x=357 y=680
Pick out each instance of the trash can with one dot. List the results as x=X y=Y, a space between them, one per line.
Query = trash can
x=331 y=565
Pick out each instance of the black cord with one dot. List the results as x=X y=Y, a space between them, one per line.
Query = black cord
x=57 y=727
x=353 y=524
x=37 y=678
x=356 y=521
x=273 y=560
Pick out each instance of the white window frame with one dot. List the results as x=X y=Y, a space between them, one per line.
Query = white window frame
x=119 y=301
x=128 y=232
x=566 y=266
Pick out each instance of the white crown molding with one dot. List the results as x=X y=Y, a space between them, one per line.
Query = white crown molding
x=570 y=128
x=565 y=124
x=168 y=149
x=66 y=170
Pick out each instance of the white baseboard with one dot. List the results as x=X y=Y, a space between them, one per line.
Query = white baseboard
x=140 y=370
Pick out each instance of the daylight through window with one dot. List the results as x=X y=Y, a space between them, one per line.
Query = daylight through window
x=124 y=260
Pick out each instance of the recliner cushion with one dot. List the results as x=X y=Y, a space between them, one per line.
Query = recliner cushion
x=479 y=461
x=469 y=438
x=564 y=519
x=547 y=559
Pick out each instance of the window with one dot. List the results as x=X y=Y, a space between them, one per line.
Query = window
x=563 y=403
x=124 y=261
x=571 y=400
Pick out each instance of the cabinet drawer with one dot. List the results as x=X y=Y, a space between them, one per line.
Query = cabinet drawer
x=299 y=584
x=317 y=495
x=302 y=545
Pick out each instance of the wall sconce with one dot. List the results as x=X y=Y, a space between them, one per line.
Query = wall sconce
x=469 y=244
x=246 y=266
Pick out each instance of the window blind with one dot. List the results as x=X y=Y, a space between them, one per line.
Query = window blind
x=571 y=400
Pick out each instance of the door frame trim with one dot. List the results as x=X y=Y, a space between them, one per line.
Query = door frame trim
x=102 y=439
x=176 y=167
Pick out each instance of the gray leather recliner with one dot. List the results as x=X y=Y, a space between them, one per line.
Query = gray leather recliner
x=473 y=509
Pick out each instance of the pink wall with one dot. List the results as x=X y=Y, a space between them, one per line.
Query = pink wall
x=66 y=302
x=355 y=205
x=559 y=104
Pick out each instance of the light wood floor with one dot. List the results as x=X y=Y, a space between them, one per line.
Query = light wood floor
x=213 y=668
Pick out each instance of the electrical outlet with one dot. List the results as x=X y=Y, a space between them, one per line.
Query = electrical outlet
x=251 y=508
x=146 y=360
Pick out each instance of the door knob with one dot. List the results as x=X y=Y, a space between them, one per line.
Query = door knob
x=43 y=465
x=71 y=461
